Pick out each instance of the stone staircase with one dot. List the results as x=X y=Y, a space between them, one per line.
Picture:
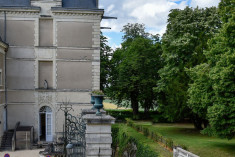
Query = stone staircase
x=6 y=143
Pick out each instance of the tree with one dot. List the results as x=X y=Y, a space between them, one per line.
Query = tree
x=183 y=44
x=134 y=69
x=105 y=56
x=211 y=94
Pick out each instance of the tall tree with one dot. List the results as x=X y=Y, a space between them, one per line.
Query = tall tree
x=134 y=69
x=211 y=94
x=183 y=43
x=105 y=57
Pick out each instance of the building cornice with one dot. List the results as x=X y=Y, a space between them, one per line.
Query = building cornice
x=21 y=10
x=77 y=12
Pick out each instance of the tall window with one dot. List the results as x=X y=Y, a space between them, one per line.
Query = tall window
x=45 y=74
x=46 y=32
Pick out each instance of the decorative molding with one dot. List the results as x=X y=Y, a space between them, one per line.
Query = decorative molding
x=45 y=98
x=83 y=13
x=21 y=11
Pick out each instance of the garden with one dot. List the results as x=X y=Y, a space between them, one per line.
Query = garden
x=176 y=89
x=159 y=139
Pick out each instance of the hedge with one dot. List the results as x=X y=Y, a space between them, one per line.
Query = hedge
x=121 y=115
x=123 y=140
x=167 y=142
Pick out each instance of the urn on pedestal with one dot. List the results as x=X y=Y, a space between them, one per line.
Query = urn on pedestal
x=98 y=96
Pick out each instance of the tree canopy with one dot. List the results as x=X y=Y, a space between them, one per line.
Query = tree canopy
x=105 y=56
x=211 y=94
x=189 y=73
x=134 y=69
x=183 y=44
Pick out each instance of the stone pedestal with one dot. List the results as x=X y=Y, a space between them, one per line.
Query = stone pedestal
x=92 y=111
x=98 y=135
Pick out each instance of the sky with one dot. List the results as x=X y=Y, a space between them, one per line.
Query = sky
x=152 y=13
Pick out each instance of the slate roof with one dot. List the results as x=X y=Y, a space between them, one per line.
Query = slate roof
x=82 y=4
x=15 y=3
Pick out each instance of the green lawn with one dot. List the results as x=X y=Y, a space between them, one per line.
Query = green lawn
x=152 y=144
x=197 y=143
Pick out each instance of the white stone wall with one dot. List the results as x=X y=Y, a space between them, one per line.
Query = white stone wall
x=33 y=98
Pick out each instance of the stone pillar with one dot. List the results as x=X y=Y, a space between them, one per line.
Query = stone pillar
x=98 y=135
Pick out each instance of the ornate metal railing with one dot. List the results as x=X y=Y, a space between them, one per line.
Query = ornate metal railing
x=13 y=143
x=71 y=142
x=75 y=136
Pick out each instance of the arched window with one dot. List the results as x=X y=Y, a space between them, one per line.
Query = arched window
x=45 y=109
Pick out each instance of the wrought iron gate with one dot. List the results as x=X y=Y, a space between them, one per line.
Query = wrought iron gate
x=74 y=133
x=71 y=142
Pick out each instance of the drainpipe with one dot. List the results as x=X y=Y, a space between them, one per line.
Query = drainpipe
x=5 y=39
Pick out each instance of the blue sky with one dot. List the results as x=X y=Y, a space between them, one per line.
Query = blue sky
x=153 y=13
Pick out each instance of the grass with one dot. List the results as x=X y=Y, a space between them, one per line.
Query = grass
x=152 y=144
x=199 y=144
x=124 y=103
x=108 y=104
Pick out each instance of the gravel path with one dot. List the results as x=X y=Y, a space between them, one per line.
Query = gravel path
x=22 y=153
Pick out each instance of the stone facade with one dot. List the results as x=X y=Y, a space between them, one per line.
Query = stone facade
x=98 y=135
x=3 y=49
x=52 y=43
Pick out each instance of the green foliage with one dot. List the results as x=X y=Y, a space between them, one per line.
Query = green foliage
x=133 y=31
x=158 y=118
x=115 y=131
x=186 y=37
x=97 y=92
x=124 y=141
x=105 y=56
x=134 y=69
x=169 y=143
x=146 y=131
x=226 y=10
x=212 y=92
x=120 y=115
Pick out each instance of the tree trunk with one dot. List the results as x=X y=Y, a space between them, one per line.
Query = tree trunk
x=205 y=123
x=135 y=105
x=197 y=122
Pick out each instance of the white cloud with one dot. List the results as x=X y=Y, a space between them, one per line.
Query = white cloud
x=115 y=46
x=204 y=3
x=153 y=13
x=110 y=8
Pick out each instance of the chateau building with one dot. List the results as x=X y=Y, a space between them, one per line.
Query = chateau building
x=52 y=56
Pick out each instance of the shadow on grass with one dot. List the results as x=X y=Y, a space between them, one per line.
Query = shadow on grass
x=228 y=147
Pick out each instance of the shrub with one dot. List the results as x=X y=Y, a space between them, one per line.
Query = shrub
x=138 y=128
x=169 y=143
x=152 y=135
x=115 y=131
x=120 y=115
x=158 y=118
x=123 y=140
x=183 y=146
x=129 y=122
x=146 y=131
x=157 y=137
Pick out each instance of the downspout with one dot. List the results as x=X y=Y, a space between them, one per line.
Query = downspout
x=5 y=39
